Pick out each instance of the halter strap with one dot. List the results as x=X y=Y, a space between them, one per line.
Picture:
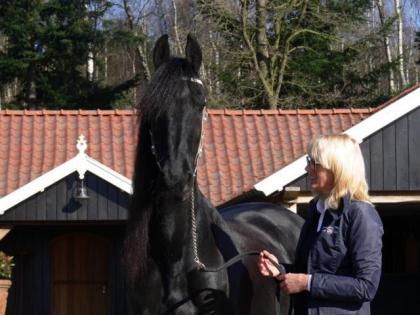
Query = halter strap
x=195 y=80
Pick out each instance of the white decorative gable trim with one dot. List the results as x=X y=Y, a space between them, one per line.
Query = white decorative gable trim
x=81 y=163
x=360 y=131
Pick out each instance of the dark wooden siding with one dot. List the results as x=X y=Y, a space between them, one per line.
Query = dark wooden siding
x=392 y=157
x=57 y=203
x=30 y=292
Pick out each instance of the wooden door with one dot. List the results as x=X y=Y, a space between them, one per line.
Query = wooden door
x=79 y=275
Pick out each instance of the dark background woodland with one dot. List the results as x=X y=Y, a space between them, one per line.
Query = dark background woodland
x=257 y=53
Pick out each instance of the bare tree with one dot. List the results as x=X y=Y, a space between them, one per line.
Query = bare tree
x=175 y=28
x=137 y=26
x=387 y=46
x=400 y=41
x=269 y=35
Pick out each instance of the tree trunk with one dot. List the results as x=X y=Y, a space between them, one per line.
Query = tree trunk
x=139 y=49
x=106 y=64
x=400 y=42
x=257 y=53
x=381 y=11
x=163 y=26
x=273 y=101
x=216 y=60
x=262 y=41
x=134 y=69
x=177 y=41
x=90 y=67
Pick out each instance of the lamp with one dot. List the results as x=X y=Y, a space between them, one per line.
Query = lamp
x=81 y=191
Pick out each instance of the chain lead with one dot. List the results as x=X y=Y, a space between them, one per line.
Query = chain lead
x=194 y=228
x=193 y=214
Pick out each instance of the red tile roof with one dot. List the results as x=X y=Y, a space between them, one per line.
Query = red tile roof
x=241 y=147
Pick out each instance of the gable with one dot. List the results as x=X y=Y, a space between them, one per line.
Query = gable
x=396 y=108
x=391 y=157
x=80 y=163
x=57 y=203
x=36 y=142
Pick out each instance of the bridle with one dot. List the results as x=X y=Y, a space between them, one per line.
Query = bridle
x=198 y=155
x=199 y=264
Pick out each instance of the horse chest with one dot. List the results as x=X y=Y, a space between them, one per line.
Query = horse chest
x=196 y=292
x=168 y=241
x=169 y=289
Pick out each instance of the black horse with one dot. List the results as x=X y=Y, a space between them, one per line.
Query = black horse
x=173 y=230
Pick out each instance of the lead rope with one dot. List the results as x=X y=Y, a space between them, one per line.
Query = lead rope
x=200 y=265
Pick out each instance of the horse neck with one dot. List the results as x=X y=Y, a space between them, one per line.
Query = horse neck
x=171 y=226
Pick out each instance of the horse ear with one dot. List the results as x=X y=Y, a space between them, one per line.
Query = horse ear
x=193 y=53
x=161 y=52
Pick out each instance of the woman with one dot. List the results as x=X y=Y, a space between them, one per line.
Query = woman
x=338 y=257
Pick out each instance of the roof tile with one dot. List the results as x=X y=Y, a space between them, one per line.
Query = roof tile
x=241 y=147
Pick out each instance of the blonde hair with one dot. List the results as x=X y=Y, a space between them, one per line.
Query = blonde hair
x=341 y=155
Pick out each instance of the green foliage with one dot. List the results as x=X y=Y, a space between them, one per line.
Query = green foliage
x=6 y=266
x=48 y=46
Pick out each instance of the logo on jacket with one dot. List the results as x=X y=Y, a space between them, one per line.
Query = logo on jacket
x=328 y=229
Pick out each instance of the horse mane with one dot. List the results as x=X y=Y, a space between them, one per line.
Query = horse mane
x=135 y=246
x=169 y=88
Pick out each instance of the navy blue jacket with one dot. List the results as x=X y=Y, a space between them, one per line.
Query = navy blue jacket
x=344 y=258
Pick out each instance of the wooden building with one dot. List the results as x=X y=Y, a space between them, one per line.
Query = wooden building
x=67 y=248
x=390 y=143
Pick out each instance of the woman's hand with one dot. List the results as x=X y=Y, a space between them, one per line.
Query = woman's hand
x=293 y=282
x=265 y=265
x=290 y=283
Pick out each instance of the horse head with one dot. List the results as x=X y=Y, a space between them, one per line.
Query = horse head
x=172 y=109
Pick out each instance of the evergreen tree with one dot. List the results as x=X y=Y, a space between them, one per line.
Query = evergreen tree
x=48 y=47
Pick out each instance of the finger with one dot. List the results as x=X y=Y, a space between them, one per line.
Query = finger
x=272 y=257
x=265 y=252
x=275 y=262
x=262 y=268
x=265 y=269
x=271 y=268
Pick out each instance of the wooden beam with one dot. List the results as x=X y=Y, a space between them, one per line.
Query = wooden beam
x=374 y=198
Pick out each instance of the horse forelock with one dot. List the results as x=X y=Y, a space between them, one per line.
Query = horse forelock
x=174 y=81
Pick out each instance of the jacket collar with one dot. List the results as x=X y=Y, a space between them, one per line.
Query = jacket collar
x=344 y=204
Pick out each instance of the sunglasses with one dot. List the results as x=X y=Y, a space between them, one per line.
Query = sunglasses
x=311 y=162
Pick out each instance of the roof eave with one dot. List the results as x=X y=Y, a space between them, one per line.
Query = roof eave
x=360 y=131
